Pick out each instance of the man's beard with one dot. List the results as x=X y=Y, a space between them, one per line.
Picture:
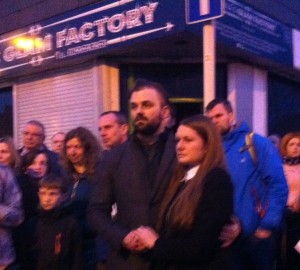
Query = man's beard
x=147 y=129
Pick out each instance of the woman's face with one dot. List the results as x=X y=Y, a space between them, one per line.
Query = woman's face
x=5 y=155
x=293 y=147
x=39 y=166
x=190 y=147
x=75 y=151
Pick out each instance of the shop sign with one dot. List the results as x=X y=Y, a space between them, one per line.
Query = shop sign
x=103 y=26
x=245 y=28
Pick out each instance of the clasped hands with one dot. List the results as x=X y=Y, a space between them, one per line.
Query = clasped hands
x=140 y=239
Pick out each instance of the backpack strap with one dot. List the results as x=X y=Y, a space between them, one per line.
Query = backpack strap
x=261 y=210
x=250 y=146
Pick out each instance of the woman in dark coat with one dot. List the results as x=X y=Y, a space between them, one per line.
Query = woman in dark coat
x=198 y=203
x=80 y=157
x=34 y=166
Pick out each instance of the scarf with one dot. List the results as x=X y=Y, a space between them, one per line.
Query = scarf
x=291 y=160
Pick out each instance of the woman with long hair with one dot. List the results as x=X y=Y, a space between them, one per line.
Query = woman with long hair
x=80 y=157
x=8 y=154
x=198 y=203
x=11 y=214
x=290 y=152
x=34 y=166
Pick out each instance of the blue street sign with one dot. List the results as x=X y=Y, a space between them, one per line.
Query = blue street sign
x=203 y=10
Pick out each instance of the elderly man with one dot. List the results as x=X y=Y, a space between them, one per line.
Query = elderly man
x=57 y=142
x=33 y=138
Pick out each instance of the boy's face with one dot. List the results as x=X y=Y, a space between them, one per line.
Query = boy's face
x=50 y=198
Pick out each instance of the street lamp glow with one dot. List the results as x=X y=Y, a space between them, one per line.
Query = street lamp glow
x=28 y=43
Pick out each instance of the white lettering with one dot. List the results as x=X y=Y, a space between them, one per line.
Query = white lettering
x=40 y=45
x=60 y=38
x=84 y=34
x=101 y=26
x=148 y=12
x=116 y=23
x=9 y=54
x=133 y=18
x=72 y=36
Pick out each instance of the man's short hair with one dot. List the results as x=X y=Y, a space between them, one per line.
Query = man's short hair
x=140 y=84
x=121 y=118
x=218 y=101
x=53 y=181
x=57 y=133
x=38 y=124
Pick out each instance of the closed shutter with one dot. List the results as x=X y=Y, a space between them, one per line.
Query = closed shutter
x=61 y=101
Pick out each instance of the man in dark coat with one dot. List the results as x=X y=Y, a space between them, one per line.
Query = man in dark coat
x=33 y=138
x=135 y=176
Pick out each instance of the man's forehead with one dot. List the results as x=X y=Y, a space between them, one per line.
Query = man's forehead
x=218 y=109
x=58 y=136
x=33 y=127
x=145 y=94
x=107 y=119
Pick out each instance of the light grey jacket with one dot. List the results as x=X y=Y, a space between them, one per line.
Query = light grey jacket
x=11 y=213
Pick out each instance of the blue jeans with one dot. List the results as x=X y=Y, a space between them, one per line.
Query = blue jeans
x=254 y=253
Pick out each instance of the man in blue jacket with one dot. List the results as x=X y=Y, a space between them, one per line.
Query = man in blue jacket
x=260 y=191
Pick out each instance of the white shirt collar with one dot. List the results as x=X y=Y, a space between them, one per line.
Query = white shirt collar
x=191 y=173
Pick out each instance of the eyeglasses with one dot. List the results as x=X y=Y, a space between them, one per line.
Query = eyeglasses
x=26 y=133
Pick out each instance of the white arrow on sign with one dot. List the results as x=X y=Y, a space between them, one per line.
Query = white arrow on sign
x=204 y=7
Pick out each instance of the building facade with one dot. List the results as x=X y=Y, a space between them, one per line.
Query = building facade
x=65 y=62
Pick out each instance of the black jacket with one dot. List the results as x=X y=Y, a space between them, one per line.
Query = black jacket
x=58 y=243
x=123 y=179
x=199 y=248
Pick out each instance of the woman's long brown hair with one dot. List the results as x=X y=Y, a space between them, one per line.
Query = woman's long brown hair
x=182 y=214
x=92 y=150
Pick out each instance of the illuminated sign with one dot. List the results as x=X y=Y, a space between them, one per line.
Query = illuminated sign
x=102 y=26
x=249 y=30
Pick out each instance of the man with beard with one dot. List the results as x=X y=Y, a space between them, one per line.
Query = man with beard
x=135 y=176
x=260 y=191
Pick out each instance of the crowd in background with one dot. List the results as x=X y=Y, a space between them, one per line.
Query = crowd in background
x=211 y=195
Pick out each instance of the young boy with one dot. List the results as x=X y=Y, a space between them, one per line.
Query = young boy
x=57 y=235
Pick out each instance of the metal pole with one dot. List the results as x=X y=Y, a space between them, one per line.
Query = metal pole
x=209 y=63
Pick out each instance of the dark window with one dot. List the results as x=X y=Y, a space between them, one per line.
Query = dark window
x=184 y=83
x=6 y=112
x=284 y=105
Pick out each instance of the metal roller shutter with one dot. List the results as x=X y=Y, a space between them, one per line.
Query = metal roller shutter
x=60 y=100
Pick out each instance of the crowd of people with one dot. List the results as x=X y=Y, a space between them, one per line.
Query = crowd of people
x=211 y=195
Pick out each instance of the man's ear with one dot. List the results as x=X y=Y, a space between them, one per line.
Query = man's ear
x=166 y=112
x=232 y=118
x=124 y=129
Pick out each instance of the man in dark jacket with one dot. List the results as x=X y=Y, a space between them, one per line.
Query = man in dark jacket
x=33 y=138
x=113 y=129
x=135 y=176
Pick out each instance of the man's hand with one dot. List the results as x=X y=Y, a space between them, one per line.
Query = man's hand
x=230 y=232
x=132 y=242
x=148 y=236
x=262 y=233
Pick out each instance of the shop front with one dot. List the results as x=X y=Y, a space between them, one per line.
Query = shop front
x=64 y=71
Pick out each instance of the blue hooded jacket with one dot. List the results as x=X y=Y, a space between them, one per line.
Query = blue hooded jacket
x=260 y=188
